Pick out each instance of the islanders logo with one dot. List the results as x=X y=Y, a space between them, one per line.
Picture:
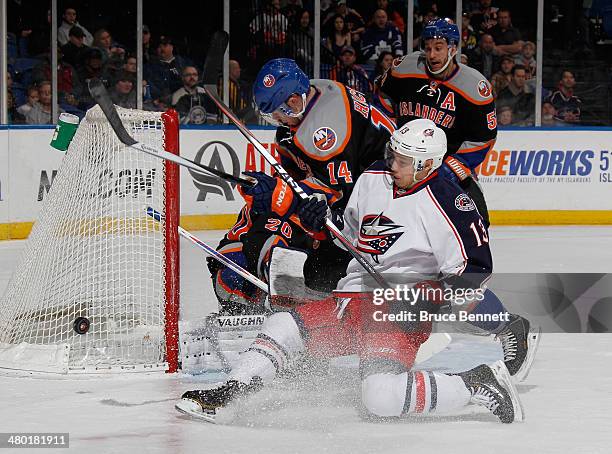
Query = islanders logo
x=484 y=88
x=324 y=138
x=268 y=80
x=377 y=234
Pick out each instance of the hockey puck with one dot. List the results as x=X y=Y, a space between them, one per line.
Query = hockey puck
x=81 y=325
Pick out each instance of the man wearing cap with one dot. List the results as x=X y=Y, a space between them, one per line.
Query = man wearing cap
x=164 y=73
x=350 y=74
x=75 y=49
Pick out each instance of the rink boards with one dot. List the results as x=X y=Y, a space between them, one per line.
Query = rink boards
x=531 y=176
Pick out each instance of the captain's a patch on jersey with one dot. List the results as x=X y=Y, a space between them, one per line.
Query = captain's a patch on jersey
x=324 y=138
x=464 y=203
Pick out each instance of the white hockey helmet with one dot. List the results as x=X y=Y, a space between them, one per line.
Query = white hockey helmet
x=420 y=140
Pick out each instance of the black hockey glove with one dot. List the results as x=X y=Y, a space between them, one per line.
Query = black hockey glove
x=313 y=213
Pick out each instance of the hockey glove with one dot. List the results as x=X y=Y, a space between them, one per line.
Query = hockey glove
x=313 y=213
x=270 y=194
x=284 y=136
x=454 y=169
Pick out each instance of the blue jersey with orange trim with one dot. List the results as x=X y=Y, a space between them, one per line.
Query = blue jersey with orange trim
x=462 y=105
x=429 y=231
x=339 y=136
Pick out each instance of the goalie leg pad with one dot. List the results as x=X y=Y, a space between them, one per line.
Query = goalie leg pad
x=274 y=348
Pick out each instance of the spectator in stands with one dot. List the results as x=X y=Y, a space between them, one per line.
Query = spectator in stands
x=239 y=100
x=501 y=78
x=130 y=65
x=380 y=36
x=484 y=58
x=69 y=86
x=190 y=101
x=567 y=105
x=31 y=100
x=40 y=114
x=383 y=63
x=300 y=42
x=14 y=116
x=549 y=114
x=123 y=93
x=504 y=116
x=75 y=49
x=469 y=40
x=92 y=69
x=269 y=29
x=148 y=51
x=517 y=98
x=69 y=20
x=350 y=74
x=527 y=58
x=507 y=38
x=484 y=18
x=337 y=36
x=356 y=26
x=392 y=14
x=112 y=53
x=164 y=73
x=292 y=9
x=464 y=60
x=349 y=15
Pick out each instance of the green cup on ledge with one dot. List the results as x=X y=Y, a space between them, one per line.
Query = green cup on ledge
x=67 y=125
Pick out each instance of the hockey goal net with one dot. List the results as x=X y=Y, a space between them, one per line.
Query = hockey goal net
x=96 y=289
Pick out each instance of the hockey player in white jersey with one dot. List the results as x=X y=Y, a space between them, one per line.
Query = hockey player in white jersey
x=412 y=224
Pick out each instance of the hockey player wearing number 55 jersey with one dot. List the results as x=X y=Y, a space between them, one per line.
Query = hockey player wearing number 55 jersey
x=431 y=84
x=422 y=229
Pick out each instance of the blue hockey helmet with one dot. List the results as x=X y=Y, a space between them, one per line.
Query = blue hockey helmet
x=442 y=29
x=276 y=81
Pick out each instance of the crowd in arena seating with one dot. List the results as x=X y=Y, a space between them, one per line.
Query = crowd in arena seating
x=359 y=40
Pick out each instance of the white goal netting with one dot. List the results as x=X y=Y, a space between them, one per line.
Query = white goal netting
x=93 y=254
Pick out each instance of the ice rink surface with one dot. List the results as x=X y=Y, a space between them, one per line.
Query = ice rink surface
x=567 y=397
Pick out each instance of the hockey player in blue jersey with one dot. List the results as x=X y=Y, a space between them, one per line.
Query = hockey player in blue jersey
x=433 y=235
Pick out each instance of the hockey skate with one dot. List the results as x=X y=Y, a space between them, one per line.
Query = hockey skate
x=492 y=388
x=519 y=342
x=211 y=404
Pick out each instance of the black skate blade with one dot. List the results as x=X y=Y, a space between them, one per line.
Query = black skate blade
x=533 y=341
x=503 y=377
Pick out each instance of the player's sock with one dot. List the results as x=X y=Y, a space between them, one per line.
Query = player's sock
x=278 y=343
x=413 y=393
x=489 y=305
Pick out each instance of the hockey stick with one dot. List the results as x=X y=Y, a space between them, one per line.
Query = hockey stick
x=100 y=95
x=214 y=253
x=296 y=187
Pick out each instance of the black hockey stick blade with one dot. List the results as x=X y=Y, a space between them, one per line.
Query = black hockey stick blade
x=100 y=95
x=213 y=66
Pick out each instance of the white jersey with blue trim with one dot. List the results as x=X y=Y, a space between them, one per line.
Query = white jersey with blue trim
x=431 y=230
